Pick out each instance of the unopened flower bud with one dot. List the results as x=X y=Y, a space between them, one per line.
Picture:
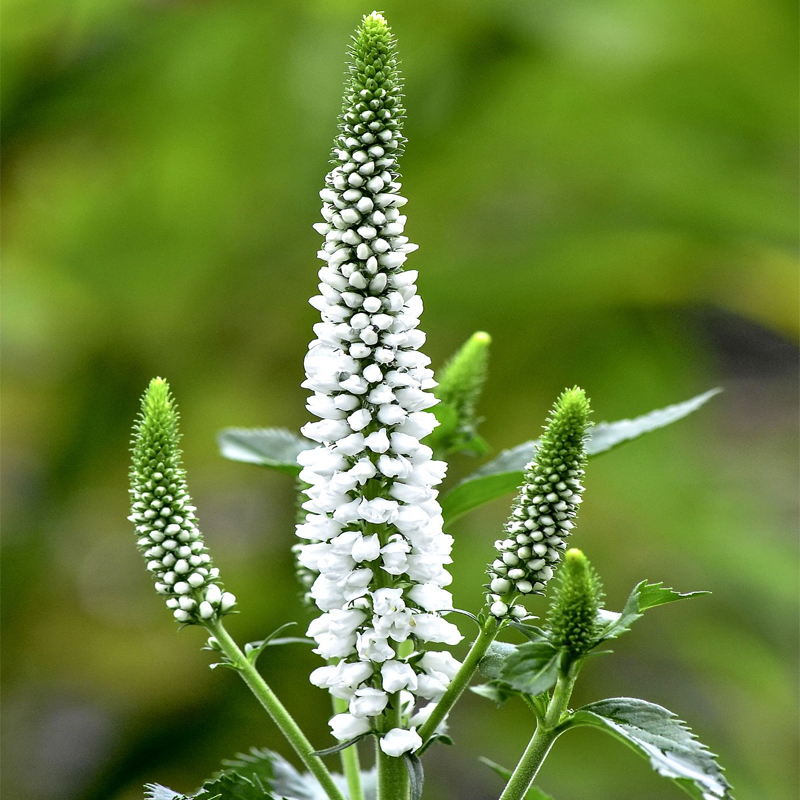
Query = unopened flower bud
x=543 y=513
x=162 y=511
x=573 y=616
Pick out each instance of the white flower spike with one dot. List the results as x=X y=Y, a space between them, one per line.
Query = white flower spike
x=372 y=532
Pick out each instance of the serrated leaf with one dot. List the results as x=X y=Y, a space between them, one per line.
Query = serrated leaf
x=658 y=735
x=644 y=595
x=496 y=654
x=276 y=448
x=532 y=669
x=503 y=475
x=532 y=794
x=155 y=791
x=416 y=776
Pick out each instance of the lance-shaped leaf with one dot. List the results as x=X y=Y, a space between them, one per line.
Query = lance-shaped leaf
x=276 y=448
x=644 y=595
x=504 y=474
x=658 y=735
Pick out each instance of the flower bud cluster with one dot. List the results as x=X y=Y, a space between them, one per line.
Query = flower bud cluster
x=164 y=516
x=543 y=513
x=573 y=619
x=373 y=524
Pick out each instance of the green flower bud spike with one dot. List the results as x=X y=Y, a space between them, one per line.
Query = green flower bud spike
x=543 y=513
x=461 y=382
x=163 y=513
x=572 y=620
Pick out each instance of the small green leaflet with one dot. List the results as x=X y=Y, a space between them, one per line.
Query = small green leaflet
x=644 y=595
x=532 y=794
x=276 y=448
x=492 y=663
x=532 y=668
x=496 y=691
x=503 y=475
x=658 y=735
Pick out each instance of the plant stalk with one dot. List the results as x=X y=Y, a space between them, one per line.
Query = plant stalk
x=350 y=762
x=393 y=783
x=280 y=716
x=547 y=731
x=462 y=678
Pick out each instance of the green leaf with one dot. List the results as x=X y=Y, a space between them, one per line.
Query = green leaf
x=492 y=663
x=532 y=669
x=254 y=649
x=253 y=776
x=503 y=475
x=531 y=632
x=532 y=794
x=276 y=448
x=496 y=691
x=416 y=776
x=658 y=735
x=644 y=595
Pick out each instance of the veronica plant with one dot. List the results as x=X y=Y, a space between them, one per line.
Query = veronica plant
x=371 y=546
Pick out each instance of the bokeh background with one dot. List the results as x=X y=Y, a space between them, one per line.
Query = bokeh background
x=609 y=187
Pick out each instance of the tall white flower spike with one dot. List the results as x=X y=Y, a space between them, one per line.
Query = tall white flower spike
x=373 y=525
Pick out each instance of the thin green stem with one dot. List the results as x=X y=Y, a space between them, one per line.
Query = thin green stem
x=462 y=678
x=350 y=762
x=393 y=781
x=280 y=716
x=547 y=731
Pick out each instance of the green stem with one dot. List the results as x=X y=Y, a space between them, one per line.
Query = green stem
x=350 y=763
x=280 y=716
x=393 y=781
x=462 y=678
x=547 y=731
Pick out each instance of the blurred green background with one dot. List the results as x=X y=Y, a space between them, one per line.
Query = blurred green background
x=609 y=187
